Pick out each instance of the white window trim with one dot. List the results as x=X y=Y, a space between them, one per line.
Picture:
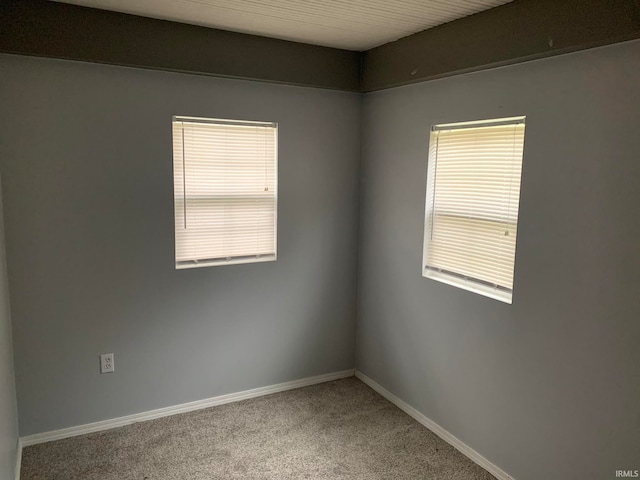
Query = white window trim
x=238 y=259
x=463 y=282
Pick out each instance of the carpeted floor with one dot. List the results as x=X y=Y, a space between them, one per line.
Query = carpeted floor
x=338 y=430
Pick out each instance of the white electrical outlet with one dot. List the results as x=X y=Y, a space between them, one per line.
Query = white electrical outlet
x=106 y=363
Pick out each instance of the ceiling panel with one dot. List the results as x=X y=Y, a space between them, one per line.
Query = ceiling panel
x=352 y=25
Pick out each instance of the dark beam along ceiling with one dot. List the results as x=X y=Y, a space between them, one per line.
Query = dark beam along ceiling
x=518 y=31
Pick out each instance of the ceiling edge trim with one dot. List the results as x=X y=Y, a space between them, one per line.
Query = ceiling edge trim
x=59 y=30
x=516 y=32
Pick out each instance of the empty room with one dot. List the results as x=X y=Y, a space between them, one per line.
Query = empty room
x=293 y=239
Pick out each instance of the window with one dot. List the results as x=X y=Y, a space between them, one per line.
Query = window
x=471 y=214
x=225 y=191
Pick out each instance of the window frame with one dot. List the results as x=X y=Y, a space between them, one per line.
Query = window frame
x=232 y=259
x=446 y=276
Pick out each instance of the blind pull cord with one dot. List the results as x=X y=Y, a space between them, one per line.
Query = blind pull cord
x=184 y=182
x=435 y=173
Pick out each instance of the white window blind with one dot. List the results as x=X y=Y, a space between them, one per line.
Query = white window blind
x=471 y=213
x=225 y=191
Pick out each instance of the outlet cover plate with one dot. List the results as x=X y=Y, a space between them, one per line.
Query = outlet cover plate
x=106 y=363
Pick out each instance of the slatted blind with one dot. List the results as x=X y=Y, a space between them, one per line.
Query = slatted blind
x=225 y=191
x=473 y=193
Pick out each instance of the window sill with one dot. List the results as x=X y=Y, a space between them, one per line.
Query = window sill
x=216 y=262
x=469 y=285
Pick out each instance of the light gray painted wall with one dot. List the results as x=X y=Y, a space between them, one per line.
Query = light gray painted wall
x=87 y=178
x=8 y=410
x=549 y=387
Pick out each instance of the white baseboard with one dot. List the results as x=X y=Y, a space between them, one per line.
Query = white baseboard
x=185 y=407
x=437 y=429
x=18 y=460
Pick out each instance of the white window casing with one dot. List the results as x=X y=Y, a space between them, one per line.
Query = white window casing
x=472 y=200
x=225 y=191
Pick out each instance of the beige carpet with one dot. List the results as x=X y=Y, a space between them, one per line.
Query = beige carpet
x=337 y=430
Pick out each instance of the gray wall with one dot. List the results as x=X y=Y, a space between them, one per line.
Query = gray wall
x=88 y=192
x=8 y=411
x=549 y=387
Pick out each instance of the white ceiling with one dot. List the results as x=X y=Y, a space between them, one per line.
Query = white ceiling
x=348 y=24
